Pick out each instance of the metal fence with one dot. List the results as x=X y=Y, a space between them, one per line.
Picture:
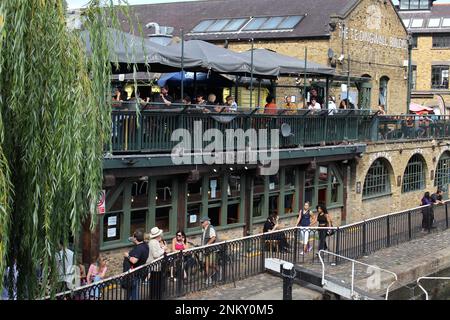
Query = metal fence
x=200 y=268
x=151 y=131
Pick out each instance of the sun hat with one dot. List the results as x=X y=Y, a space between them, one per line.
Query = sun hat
x=155 y=232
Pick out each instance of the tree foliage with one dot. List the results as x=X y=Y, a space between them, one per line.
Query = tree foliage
x=54 y=123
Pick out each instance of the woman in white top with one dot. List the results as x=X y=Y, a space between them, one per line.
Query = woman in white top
x=314 y=105
x=157 y=247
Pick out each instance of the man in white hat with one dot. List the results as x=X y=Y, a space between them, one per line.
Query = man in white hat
x=156 y=245
x=209 y=236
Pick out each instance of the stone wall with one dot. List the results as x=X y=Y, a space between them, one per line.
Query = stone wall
x=398 y=155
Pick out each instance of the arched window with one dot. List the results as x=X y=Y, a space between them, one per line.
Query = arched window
x=377 y=180
x=365 y=92
x=414 y=176
x=442 y=177
x=383 y=97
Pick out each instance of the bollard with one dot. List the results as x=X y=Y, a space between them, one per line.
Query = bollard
x=288 y=273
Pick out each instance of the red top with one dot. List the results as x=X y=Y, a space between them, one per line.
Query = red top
x=179 y=246
x=270 y=108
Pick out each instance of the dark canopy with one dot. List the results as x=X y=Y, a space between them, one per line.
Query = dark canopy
x=222 y=60
x=128 y=49
x=287 y=65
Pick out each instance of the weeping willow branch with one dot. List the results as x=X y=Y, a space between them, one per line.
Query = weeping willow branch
x=54 y=123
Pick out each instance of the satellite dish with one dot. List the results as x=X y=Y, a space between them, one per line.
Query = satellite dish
x=286 y=130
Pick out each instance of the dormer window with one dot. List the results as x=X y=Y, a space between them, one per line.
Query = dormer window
x=415 y=4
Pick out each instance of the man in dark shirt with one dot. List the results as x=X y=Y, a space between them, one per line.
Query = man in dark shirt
x=163 y=97
x=134 y=259
x=272 y=225
x=437 y=197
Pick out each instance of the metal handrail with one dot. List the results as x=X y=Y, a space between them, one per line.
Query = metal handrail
x=429 y=278
x=353 y=270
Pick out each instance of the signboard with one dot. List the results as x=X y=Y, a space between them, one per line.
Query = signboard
x=192 y=218
x=101 y=202
x=112 y=221
x=213 y=185
x=111 y=232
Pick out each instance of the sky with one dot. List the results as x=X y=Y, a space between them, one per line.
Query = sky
x=79 y=3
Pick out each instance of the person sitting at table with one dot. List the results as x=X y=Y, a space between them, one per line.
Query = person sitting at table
x=271 y=106
x=163 y=98
x=271 y=225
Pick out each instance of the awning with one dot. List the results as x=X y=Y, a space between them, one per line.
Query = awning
x=286 y=65
x=126 y=49
x=414 y=107
x=221 y=60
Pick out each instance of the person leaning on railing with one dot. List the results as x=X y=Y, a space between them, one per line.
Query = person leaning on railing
x=179 y=243
x=209 y=236
x=272 y=225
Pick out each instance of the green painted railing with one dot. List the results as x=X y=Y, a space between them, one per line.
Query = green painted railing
x=151 y=131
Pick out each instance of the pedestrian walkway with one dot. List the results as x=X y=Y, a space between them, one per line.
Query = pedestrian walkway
x=263 y=286
x=411 y=260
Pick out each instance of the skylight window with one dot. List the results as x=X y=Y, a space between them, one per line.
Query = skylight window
x=249 y=24
x=255 y=24
x=417 y=23
x=202 y=26
x=434 y=23
x=218 y=25
x=290 y=22
x=446 y=22
x=272 y=23
x=235 y=24
x=406 y=22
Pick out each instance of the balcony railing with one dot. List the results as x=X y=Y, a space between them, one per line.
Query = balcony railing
x=150 y=131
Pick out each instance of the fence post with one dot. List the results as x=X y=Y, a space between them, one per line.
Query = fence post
x=446 y=215
x=338 y=245
x=162 y=285
x=364 y=237
x=139 y=132
x=180 y=273
x=263 y=252
x=295 y=244
x=388 y=232
x=224 y=263
x=409 y=225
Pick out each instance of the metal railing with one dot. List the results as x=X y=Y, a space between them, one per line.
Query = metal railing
x=429 y=278
x=150 y=131
x=178 y=274
x=353 y=261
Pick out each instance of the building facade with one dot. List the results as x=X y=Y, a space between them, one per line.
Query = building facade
x=429 y=25
x=358 y=166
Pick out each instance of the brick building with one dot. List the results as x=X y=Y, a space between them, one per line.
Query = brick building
x=358 y=166
x=429 y=24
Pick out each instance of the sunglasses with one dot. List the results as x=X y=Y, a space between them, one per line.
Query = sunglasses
x=179 y=235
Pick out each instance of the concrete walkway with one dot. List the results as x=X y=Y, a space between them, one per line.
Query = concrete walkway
x=411 y=260
x=260 y=287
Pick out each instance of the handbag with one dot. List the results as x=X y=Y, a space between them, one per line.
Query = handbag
x=330 y=232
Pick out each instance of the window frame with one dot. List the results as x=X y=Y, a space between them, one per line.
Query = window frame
x=442 y=175
x=382 y=165
x=414 y=178
x=439 y=69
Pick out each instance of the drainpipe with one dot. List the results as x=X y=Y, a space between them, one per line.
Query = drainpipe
x=408 y=97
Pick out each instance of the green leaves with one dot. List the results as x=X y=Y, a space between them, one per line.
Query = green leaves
x=55 y=118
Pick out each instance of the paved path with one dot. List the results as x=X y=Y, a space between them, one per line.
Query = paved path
x=260 y=287
x=410 y=260
x=424 y=256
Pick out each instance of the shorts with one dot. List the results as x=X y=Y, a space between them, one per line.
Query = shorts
x=304 y=236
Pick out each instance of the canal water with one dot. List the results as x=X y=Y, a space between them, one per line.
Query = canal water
x=437 y=289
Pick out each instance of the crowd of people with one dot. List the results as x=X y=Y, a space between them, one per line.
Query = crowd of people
x=306 y=218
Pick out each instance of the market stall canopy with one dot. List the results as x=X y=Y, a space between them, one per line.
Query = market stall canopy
x=414 y=107
x=221 y=60
x=127 y=49
x=287 y=65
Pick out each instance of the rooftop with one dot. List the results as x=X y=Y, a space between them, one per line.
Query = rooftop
x=436 y=20
x=237 y=19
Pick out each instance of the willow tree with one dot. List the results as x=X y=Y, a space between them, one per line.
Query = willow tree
x=54 y=123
